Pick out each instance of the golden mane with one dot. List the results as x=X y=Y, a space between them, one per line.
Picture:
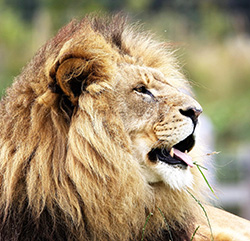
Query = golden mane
x=61 y=174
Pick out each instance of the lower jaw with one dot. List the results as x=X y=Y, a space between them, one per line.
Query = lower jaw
x=176 y=177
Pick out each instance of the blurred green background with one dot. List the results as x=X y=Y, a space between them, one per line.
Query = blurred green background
x=213 y=42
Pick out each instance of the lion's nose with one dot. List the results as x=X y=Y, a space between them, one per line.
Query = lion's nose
x=192 y=113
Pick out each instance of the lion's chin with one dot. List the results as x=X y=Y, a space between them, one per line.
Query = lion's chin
x=177 y=177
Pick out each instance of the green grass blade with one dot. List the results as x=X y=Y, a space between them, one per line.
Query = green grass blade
x=205 y=212
x=199 y=168
x=144 y=227
x=169 y=231
x=195 y=163
x=195 y=231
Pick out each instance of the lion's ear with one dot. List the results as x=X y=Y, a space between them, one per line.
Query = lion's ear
x=70 y=76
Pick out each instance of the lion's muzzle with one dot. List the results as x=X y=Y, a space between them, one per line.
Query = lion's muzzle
x=176 y=136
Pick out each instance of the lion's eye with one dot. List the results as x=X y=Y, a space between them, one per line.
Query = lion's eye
x=143 y=90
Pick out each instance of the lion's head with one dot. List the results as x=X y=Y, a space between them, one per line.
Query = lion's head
x=160 y=119
x=96 y=133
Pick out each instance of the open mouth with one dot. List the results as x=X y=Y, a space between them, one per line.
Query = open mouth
x=176 y=155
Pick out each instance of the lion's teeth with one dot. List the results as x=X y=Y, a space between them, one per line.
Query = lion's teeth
x=171 y=153
x=186 y=151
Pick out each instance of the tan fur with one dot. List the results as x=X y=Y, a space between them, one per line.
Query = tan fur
x=225 y=226
x=69 y=135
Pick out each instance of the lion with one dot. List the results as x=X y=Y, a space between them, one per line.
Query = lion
x=98 y=142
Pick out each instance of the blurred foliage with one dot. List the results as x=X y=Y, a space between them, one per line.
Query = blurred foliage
x=212 y=38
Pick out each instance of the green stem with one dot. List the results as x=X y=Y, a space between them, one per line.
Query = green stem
x=195 y=231
x=144 y=227
x=169 y=231
x=204 y=210
x=199 y=168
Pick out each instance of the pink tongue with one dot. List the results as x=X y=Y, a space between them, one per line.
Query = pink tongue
x=184 y=157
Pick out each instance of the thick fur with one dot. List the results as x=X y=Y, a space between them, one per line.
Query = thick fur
x=67 y=168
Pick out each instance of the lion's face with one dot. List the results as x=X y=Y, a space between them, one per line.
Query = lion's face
x=160 y=120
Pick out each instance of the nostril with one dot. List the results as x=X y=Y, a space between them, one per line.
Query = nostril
x=192 y=113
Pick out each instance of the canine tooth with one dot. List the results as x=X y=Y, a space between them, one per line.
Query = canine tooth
x=171 y=153
x=186 y=151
